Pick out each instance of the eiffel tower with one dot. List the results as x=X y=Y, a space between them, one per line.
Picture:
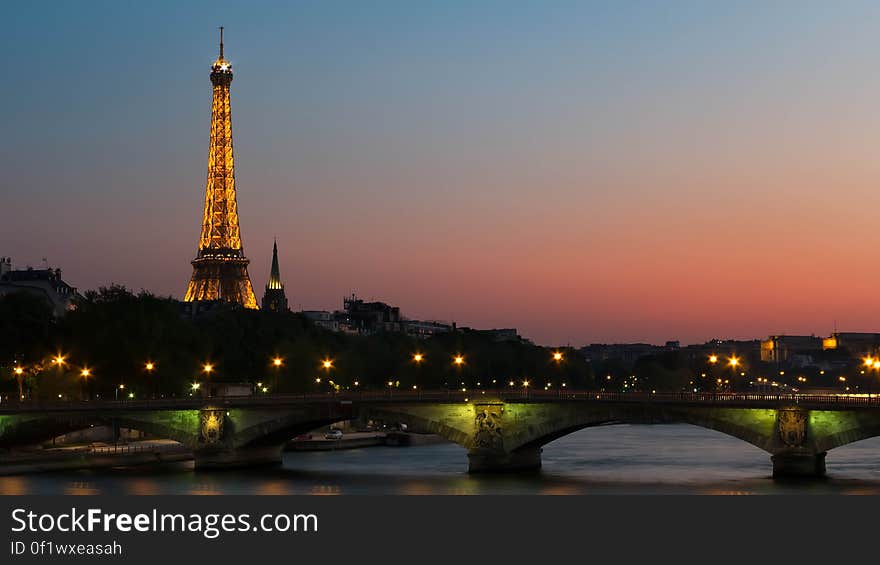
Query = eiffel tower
x=220 y=267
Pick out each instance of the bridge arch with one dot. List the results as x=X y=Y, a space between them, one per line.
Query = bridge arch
x=30 y=429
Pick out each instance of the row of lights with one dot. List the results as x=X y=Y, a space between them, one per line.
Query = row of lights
x=208 y=368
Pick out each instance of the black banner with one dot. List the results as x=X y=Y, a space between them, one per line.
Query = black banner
x=412 y=529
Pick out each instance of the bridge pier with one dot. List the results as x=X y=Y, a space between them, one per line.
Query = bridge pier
x=484 y=461
x=238 y=457
x=789 y=465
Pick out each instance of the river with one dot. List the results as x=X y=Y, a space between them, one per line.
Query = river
x=622 y=459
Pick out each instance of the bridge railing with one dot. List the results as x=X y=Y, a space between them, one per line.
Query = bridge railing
x=449 y=395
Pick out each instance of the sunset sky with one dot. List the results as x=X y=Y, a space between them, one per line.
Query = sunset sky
x=582 y=171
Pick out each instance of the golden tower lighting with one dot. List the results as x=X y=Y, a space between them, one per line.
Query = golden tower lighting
x=220 y=267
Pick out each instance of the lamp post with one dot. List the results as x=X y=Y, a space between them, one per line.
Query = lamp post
x=207 y=369
x=19 y=376
x=458 y=362
x=734 y=362
x=149 y=367
x=85 y=373
x=558 y=358
x=277 y=362
x=417 y=359
x=327 y=365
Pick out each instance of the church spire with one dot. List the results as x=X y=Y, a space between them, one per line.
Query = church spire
x=274 y=298
x=275 y=274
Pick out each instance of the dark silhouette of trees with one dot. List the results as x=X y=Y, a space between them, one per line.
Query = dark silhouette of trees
x=113 y=333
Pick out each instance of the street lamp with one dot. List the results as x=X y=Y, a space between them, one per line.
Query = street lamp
x=733 y=362
x=19 y=376
x=149 y=366
x=85 y=373
x=207 y=369
x=326 y=364
x=417 y=359
x=277 y=362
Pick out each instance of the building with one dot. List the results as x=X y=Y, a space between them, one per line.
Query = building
x=274 y=299
x=790 y=348
x=857 y=344
x=747 y=351
x=426 y=329
x=322 y=319
x=626 y=353
x=45 y=283
x=369 y=317
x=499 y=334
x=220 y=267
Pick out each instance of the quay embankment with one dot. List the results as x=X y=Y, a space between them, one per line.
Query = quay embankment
x=155 y=452
x=19 y=462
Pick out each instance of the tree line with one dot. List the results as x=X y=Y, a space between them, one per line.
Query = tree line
x=107 y=341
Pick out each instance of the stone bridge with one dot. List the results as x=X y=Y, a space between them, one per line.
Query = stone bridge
x=501 y=430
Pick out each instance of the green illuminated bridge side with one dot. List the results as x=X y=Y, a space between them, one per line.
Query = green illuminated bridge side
x=501 y=430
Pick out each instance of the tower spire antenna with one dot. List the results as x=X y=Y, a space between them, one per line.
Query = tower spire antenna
x=221 y=42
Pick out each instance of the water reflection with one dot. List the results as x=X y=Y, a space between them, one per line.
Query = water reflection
x=81 y=488
x=607 y=460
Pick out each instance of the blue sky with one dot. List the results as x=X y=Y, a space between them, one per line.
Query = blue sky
x=560 y=167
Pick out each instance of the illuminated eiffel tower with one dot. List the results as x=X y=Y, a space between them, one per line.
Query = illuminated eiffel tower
x=220 y=268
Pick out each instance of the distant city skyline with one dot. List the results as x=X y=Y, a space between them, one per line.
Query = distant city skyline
x=582 y=171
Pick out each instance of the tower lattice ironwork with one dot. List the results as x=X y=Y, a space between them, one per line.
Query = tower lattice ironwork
x=220 y=267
